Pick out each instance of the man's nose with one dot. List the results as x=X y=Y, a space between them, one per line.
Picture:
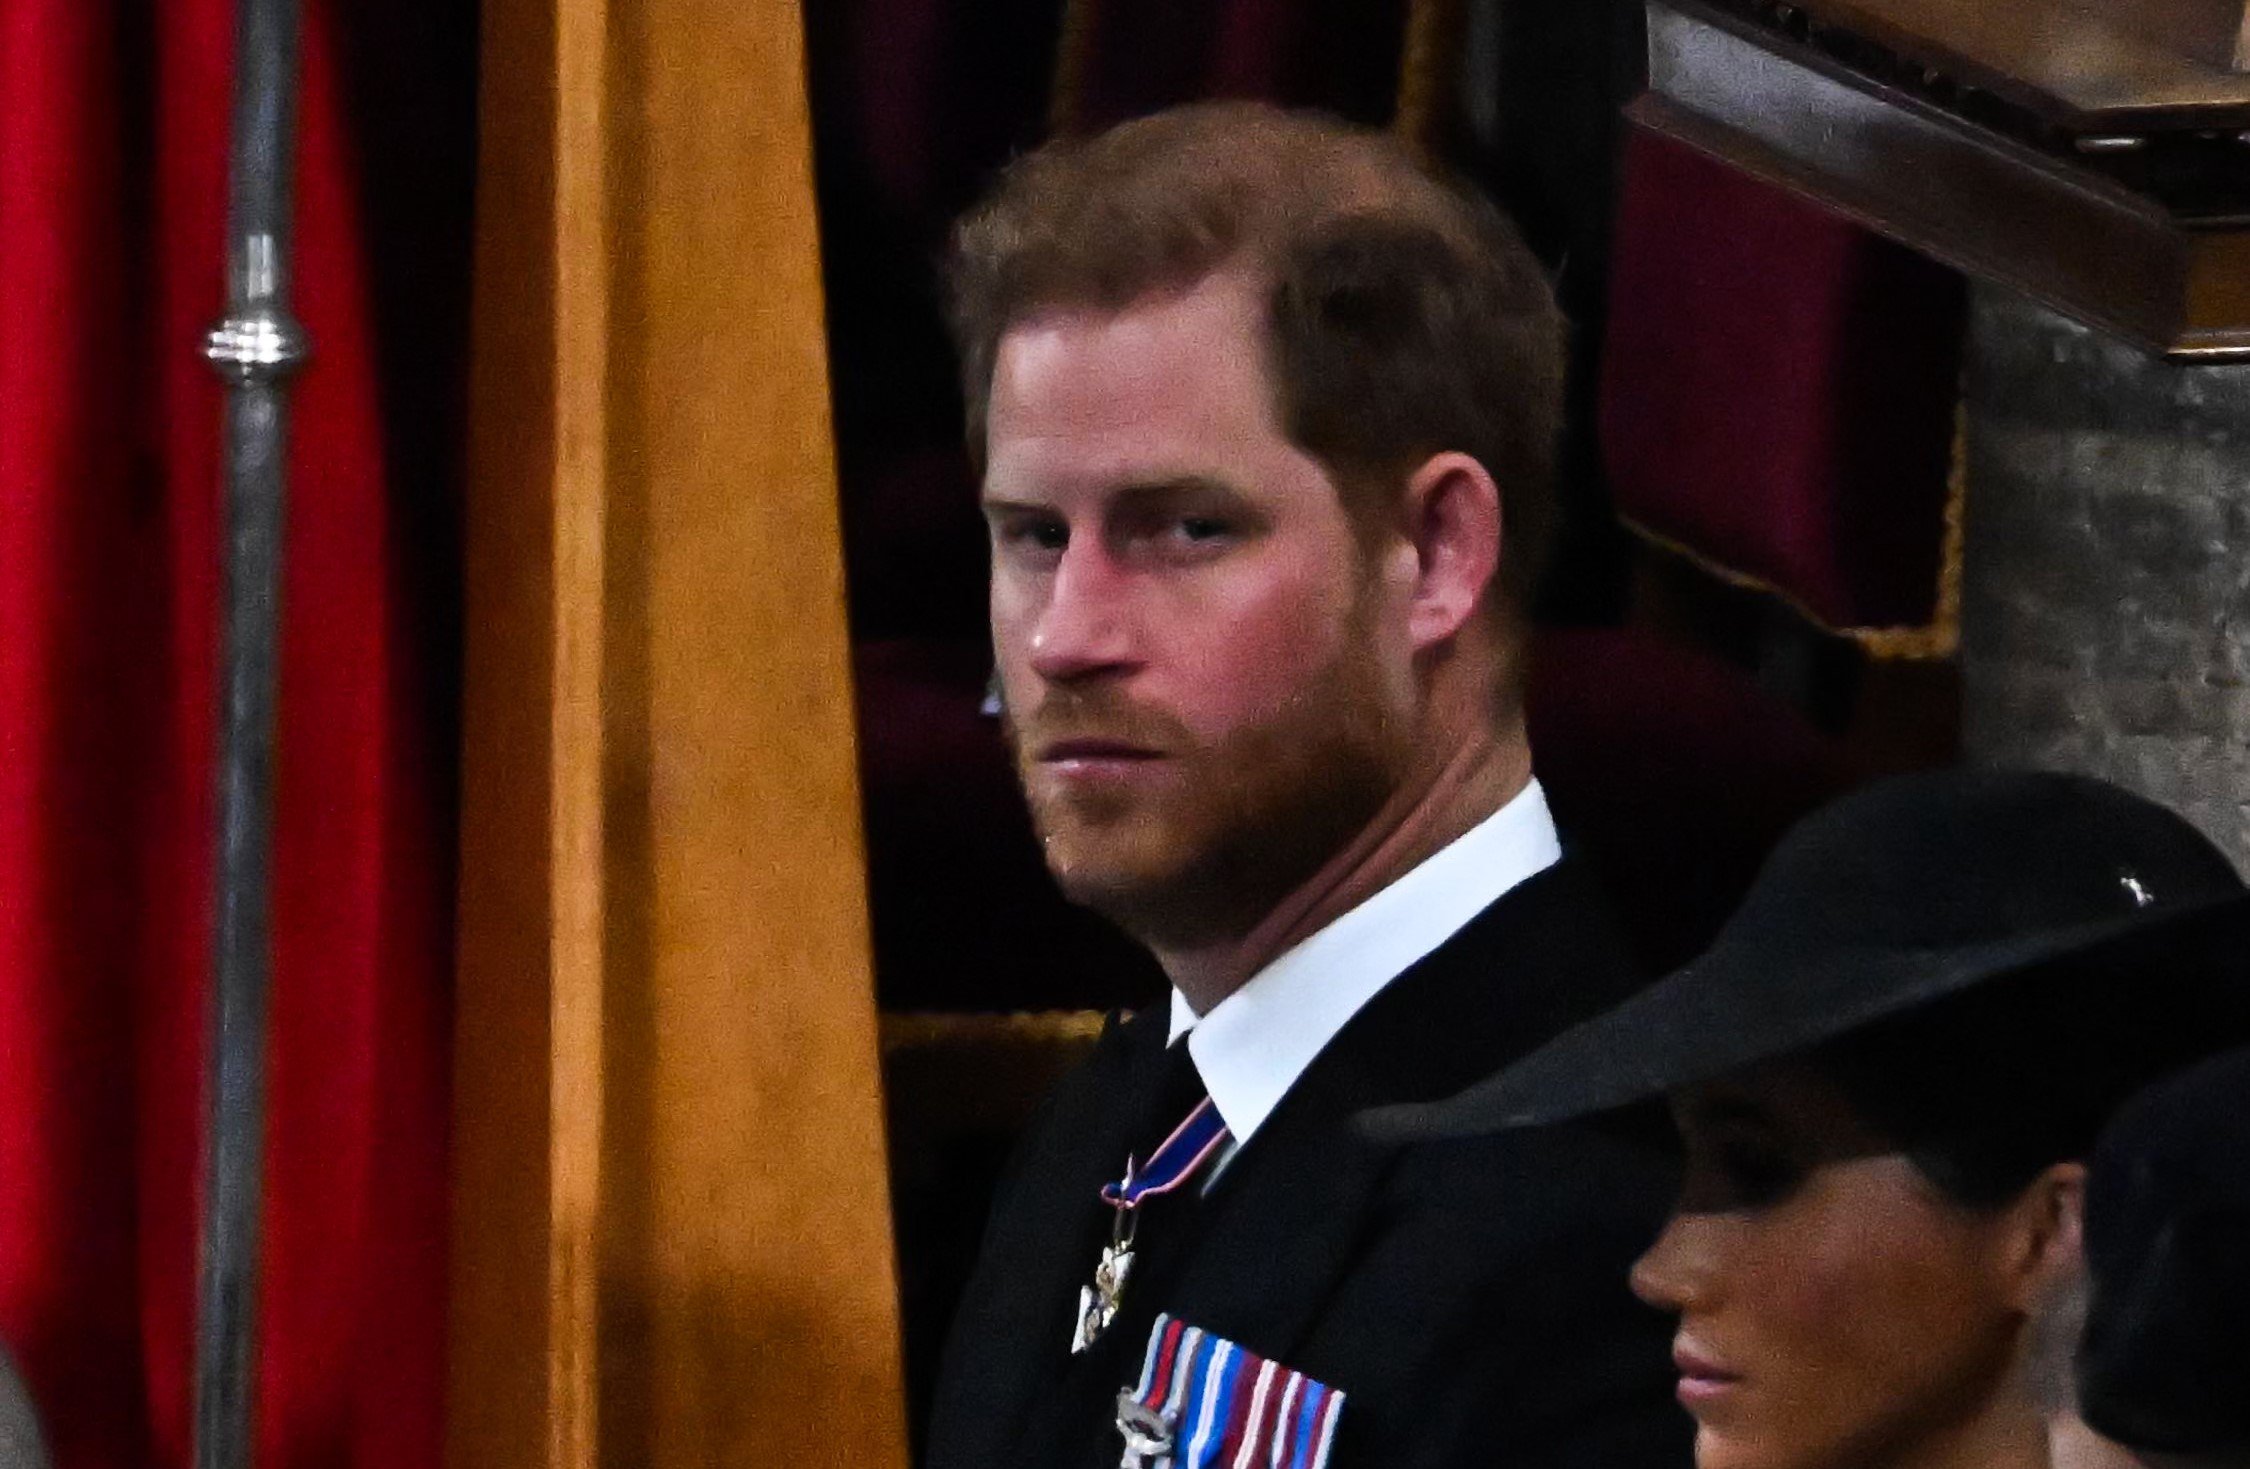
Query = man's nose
x=1085 y=629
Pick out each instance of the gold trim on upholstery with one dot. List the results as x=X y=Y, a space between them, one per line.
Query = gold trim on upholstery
x=1935 y=641
x=1074 y=43
x=1429 y=57
x=907 y=1030
x=948 y=1073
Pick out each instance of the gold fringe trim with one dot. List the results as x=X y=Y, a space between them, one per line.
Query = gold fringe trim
x=1935 y=641
x=914 y=1030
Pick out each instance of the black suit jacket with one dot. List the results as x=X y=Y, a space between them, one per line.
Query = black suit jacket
x=1468 y=1297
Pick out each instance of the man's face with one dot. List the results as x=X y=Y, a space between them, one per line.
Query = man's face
x=1209 y=690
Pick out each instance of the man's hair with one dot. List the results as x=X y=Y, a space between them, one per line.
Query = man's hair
x=1405 y=316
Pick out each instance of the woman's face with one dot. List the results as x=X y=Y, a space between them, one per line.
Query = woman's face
x=1835 y=1309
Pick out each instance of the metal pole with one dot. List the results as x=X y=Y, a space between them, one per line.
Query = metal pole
x=254 y=349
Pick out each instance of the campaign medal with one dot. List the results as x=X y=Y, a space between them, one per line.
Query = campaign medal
x=1175 y=1161
x=1204 y=1400
x=1147 y=1433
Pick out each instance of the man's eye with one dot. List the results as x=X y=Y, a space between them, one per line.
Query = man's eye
x=1035 y=535
x=1199 y=532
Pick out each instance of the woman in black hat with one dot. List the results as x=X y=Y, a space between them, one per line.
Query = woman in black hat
x=1887 y=1072
x=2162 y=1369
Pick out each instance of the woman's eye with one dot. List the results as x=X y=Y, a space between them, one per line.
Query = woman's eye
x=1729 y=1171
x=1753 y=1175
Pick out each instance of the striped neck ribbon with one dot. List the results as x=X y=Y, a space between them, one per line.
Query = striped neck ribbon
x=1176 y=1160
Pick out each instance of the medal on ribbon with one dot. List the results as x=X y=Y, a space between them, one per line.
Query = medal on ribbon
x=1205 y=1403
x=1175 y=1161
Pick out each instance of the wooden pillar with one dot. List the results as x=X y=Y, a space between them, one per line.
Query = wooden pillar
x=671 y=1231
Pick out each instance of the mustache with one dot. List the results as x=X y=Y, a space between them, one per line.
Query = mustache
x=1091 y=714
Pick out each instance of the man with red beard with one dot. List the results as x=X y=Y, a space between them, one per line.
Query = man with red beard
x=1265 y=416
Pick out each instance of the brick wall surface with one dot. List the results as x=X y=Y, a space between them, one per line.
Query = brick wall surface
x=2106 y=597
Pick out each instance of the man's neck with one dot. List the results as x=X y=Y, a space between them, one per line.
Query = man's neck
x=1428 y=812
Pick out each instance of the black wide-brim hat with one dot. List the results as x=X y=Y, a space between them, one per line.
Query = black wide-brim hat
x=2164 y=1361
x=1899 y=894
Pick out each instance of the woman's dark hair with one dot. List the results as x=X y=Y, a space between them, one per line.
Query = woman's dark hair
x=1986 y=1090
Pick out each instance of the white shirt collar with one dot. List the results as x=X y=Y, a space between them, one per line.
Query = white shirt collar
x=1256 y=1042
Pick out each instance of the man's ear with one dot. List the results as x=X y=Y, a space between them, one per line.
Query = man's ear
x=1453 y=523
x=2043 y=1247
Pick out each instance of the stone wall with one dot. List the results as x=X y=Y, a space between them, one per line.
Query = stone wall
x=2106 y=598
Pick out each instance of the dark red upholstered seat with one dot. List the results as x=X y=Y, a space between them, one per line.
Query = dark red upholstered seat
x=1778 y=388
x=1670 y=769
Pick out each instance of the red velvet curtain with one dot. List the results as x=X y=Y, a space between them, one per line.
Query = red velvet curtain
x=113 y=137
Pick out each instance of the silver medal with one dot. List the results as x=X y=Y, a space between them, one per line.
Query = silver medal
x=1147 y=1434
x=1098 y=1303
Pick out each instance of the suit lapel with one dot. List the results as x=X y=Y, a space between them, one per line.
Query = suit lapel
x=1260 y=1258
x=1047 y=1252
x=1283 y=1224
x=1287 y=1219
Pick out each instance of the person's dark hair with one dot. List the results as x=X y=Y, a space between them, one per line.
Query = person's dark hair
x=2164 y=1364
x=1986 y=1090
x=1406 y=316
